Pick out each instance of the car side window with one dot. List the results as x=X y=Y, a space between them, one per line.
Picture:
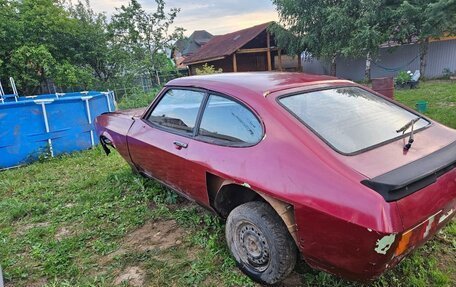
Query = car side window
x=177 y=109
x=228 y=122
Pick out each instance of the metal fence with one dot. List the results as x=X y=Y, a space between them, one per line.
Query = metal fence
x=145 y=83
x=441 y=56
x=139 y=83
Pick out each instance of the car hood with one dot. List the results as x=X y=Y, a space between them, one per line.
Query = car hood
x=391 y=156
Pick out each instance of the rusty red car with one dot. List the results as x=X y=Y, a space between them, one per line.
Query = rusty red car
x=299 y=166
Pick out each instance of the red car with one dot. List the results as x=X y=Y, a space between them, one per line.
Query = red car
x=352 y=180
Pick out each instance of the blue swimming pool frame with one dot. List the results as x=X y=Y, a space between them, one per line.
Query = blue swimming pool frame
x=49 y=125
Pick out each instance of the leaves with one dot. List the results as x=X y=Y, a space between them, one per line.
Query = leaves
x=30 y=65
x=208 y=69
x=145 y=36
x=352 y=28
x=44 y=41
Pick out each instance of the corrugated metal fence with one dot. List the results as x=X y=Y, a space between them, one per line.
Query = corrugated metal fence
x=441 y=55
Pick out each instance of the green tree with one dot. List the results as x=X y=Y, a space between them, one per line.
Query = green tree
x=30 y=67
x=55 y=41
x=9 y=32
x=36 y=36
x=144 y=35
x=93 y=44
x=420 y=20
x=331 y=28
x=322 y=27
x=372 y=19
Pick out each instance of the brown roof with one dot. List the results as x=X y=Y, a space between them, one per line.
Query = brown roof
x=224 y=45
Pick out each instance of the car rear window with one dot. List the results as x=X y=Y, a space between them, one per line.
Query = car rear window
x=350 y=119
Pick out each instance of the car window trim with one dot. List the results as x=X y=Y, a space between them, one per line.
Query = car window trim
x=221 y=142
x=195 y=135
x=169 y=129
x=351 y=86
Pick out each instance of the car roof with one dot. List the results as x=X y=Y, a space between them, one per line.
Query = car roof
x=261 y=83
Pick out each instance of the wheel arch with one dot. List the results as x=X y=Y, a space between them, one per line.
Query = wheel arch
x=225 y=195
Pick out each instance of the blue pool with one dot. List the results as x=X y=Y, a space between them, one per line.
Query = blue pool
x=49 y=125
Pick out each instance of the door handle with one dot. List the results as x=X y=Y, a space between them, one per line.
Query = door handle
x=180 y=145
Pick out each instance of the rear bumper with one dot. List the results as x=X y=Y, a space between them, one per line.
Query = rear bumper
x=358 y=253
x=421 y=233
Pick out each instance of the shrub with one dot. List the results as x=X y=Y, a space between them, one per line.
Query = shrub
x=208 y=69
x=447 y=73
x=138 y=99
x=404 y=77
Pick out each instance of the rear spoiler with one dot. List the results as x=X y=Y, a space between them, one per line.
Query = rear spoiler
x=409 y=178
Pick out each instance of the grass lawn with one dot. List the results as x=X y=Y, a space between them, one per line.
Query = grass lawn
x=86 y=220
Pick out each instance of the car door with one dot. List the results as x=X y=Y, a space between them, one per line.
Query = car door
x=158 y=142
x=225 y=140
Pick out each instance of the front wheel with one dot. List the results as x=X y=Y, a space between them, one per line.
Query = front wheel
x=260 y=242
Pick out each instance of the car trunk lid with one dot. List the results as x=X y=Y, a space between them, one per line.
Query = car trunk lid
x=390 y=156
x=421 y=181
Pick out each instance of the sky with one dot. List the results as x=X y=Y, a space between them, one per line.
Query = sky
x=215 y=16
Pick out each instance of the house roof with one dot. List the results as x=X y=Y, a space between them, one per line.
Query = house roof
x=197 y=39
x=224 y=45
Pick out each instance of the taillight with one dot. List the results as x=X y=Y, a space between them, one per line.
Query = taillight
x=403 y=243
x=419 y=233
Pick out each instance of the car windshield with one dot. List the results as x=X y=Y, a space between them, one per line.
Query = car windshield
x=350 y=119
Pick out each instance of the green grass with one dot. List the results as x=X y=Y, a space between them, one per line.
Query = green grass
x=441 y=98
x=66 y=222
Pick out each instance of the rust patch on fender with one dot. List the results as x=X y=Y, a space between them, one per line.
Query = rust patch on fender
x=286 y=212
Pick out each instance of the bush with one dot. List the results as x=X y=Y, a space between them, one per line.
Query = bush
x=404 y=77
x=447 y=73
x=138 y=99
x=208 y=69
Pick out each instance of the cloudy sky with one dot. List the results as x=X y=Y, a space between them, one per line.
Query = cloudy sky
x=215 y=16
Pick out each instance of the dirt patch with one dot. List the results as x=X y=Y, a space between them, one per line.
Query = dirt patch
x=21 y=230
x=62 y=233
x=158 y=235
x=134 y=276
x=293 y=280
x=155 y=235
x=36 y=283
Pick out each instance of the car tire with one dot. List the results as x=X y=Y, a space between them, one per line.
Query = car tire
x=260 y=242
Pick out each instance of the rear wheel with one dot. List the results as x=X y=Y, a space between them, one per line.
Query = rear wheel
x=260 y=242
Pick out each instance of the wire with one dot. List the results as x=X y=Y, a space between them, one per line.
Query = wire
x=394 y=69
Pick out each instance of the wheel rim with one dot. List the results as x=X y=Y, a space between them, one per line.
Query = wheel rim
x=253 y=246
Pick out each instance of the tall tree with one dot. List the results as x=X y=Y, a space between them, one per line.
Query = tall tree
x=93 y=45
x=420 y=20
x=54 y=41
x=145 y=35
x=323 y=27
x=372 y=20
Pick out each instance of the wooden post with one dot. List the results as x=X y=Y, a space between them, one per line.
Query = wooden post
x=268 y=39
x=234 y=63
x=280 y=59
